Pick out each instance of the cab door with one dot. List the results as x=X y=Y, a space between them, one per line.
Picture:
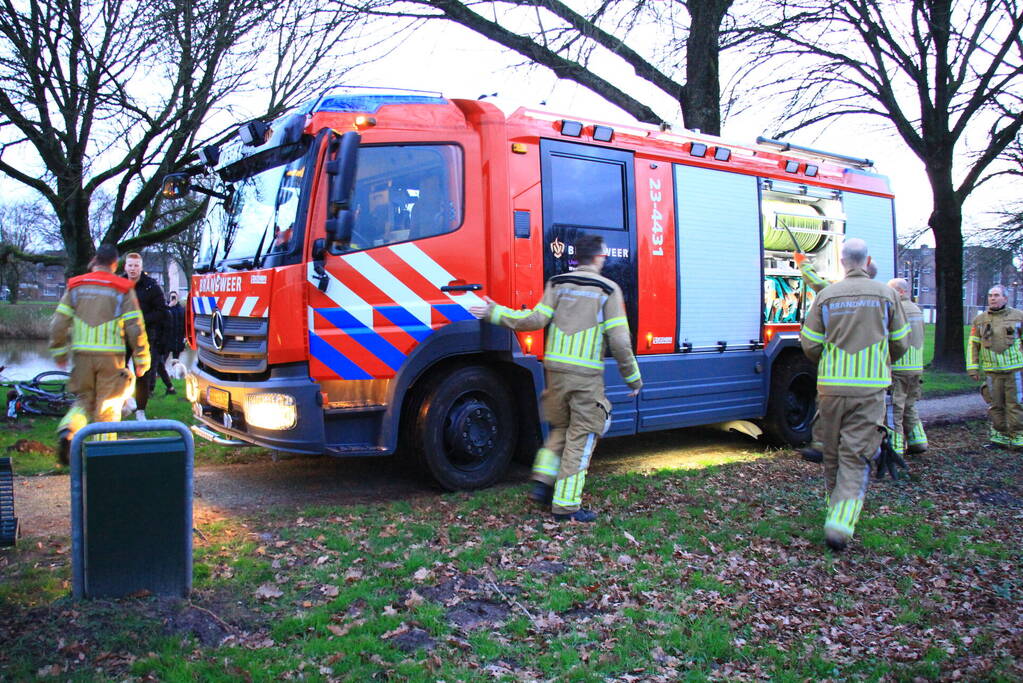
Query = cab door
x=591 y=189
x=412 y=265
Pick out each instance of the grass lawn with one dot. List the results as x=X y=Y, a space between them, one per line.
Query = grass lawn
x=710 y=574
x=944 y=383
x=27 y=320
x=31 y=441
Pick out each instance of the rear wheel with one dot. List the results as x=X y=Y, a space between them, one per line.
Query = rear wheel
x=52 y=381
x=41 y=405
x=465 y=429
x=792 y=402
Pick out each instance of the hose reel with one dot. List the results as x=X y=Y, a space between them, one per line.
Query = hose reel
x=803 y=220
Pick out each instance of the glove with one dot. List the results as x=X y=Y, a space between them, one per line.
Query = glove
x=799 y=257
x=974 y=375
x=888 y=460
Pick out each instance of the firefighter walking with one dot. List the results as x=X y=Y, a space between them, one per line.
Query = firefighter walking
x=96 y=316
x=854 y=331
x=908 y=434
x=814 y=452
x=582 y=308
x=995 y=349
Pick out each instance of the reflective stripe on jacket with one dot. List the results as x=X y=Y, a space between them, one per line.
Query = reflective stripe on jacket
x=854 y=330
x=813 y=280
x=913 y=362
x=579 y=309
x=995 y=341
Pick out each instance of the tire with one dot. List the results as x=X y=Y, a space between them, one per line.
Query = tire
x=52 y=381
x=792 y=403
x=39 y=405
x=465 y=429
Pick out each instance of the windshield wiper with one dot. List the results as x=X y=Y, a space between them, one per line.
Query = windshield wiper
x=256 y=260
x=213 y=260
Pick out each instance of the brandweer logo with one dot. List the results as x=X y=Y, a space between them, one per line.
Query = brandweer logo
x=219 y=283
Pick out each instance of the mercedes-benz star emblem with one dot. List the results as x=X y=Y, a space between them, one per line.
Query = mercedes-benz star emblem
x=217 y=330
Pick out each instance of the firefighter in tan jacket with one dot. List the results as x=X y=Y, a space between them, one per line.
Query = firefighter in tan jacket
x=814 y=452
x=96 y=316
x=854 y=330
x=995 y=348
x=908 y=434
x=581 y=307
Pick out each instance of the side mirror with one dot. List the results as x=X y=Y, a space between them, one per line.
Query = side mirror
x=176 y=185
x=254 y=133
x=319 y=249
x=342 y=166
x=339 y=228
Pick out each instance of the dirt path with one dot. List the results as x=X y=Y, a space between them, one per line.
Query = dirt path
x=43 y=503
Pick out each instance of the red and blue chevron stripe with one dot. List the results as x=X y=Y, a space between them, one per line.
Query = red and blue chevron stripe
x=377 y=307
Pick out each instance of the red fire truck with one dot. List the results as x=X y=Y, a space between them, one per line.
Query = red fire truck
x=347 y=241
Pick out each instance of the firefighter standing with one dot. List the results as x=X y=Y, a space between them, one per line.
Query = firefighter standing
x=995 y=348
x=854 y=330
x=96 y=316
x=908 y=434
x=582 y=307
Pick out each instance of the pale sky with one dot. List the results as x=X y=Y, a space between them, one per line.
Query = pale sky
x=458 y=63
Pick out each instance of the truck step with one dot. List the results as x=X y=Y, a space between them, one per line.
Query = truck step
x=351 y=451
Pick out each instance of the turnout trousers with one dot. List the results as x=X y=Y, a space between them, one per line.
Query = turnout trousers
x=850 y=429
x=907 y=430
x=1005 y=390
x=578 y=414
x=100 y=384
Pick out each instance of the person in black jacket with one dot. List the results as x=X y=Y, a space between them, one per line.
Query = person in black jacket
x=156 y=317
x=176 y=328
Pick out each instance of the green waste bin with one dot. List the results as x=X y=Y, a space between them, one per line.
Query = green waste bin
x=131 y=511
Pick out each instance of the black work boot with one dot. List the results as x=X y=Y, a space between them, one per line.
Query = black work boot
x=580 y=515
x=811 y=454
x=835 y=540
x=64 y=447
x=542 y=494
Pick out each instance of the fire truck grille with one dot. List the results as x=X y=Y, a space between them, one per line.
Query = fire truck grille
x=244 y=345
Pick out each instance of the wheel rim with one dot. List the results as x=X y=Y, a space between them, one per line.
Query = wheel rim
x=470 y=432
x=800 y=403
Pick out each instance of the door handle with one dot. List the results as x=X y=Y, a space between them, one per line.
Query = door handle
x=461 y=288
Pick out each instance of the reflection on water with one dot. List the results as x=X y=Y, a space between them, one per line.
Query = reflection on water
x=25 y=358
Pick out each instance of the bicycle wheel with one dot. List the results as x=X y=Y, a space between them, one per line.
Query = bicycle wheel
x=51 y=381
x=41 y=405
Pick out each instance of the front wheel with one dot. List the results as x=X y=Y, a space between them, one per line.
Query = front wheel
x=792 y=403
x=465 y=429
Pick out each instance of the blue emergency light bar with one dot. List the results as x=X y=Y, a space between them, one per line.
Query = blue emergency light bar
x=349 y=99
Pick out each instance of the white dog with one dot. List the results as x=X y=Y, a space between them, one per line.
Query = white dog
x=177 y=369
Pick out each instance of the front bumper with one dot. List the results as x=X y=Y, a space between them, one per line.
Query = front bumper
x=307 y=436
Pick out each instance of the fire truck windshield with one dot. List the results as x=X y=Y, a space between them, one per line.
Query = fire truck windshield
x=258 y=217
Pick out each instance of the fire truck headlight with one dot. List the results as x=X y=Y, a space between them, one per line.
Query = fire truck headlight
x=191 y=388
x=271 y=411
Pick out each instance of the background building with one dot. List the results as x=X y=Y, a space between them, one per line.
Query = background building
x=982 y=268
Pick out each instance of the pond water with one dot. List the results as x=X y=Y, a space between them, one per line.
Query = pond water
x=25 y=358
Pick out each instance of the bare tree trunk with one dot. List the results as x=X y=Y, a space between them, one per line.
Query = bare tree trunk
x=74 y=226
x=701 y=95
x=946 y=222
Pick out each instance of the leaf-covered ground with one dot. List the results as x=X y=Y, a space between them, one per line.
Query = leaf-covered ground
x=717 y=573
